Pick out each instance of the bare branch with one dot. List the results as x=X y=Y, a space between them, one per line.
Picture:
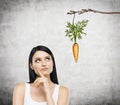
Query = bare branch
x=90 y=10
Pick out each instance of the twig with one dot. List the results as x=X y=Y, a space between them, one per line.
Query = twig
x=90 y=10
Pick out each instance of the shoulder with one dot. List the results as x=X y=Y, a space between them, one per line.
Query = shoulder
x=19 y=88
x=18 y=94
x=63 y=97
x=64 y=90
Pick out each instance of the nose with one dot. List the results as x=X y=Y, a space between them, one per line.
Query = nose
x=43 y=63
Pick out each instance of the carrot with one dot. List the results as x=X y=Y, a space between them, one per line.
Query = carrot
x=75 y=49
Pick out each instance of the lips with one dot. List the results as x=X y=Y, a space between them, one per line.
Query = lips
x=44 y=68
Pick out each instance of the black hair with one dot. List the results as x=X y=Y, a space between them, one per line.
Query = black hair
x=32 y=75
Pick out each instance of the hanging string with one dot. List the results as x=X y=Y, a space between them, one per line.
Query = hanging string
x=73 y=19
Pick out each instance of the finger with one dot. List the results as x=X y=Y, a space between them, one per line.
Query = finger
x=40 y=73
x=38 y=81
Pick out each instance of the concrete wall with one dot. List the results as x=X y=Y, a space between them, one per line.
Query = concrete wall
x=94 y=80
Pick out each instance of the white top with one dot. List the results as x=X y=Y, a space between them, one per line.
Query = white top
x=29 y=101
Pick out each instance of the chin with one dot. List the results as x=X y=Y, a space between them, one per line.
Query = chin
x=45 y=73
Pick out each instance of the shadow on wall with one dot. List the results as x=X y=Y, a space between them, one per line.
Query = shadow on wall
x=114 y=102
x=5 y=97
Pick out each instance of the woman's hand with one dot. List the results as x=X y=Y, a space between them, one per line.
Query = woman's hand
x=42 y=80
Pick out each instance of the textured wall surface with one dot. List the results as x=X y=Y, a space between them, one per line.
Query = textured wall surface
x=94 y=80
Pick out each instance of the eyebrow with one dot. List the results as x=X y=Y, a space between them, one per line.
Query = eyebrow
x=44 y=57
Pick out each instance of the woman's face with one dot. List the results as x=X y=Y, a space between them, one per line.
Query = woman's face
x=42 y=62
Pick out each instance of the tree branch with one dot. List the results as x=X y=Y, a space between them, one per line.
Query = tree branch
x=90 y=10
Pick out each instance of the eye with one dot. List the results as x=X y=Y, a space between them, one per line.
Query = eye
x=37 y=60
x=47 y=58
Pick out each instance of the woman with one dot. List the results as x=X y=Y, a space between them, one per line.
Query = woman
x=43 y=88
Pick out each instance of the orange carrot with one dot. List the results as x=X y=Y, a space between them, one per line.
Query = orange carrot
x=75 y=49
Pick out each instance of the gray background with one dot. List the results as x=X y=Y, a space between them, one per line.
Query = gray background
x=94 y=80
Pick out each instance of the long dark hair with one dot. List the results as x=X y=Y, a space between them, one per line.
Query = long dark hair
x=32 y=75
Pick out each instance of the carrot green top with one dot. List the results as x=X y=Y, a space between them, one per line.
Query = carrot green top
x=76 y=30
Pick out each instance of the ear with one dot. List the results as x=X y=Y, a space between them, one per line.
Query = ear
x=31 y=66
